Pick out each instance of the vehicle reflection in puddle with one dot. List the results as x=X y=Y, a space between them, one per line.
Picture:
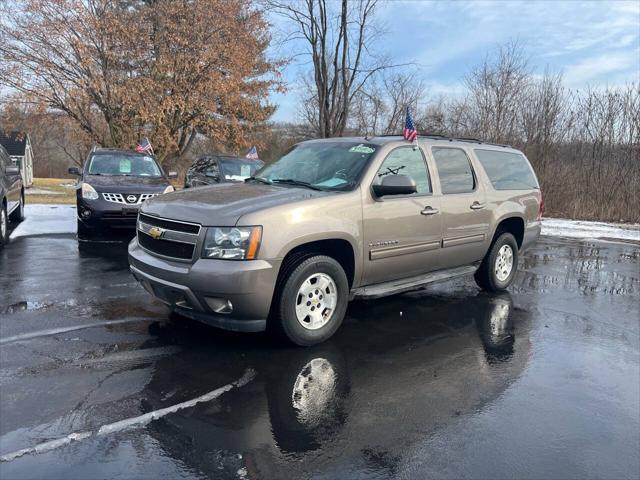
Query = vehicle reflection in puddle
x=384 y=379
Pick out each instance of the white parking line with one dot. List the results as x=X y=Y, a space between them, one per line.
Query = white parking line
x=56 y=331
x=128 y=423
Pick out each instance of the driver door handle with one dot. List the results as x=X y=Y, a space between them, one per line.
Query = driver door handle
x=429 y=211
x=476 y=206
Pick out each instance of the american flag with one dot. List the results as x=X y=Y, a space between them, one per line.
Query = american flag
x=410 y=133
x=253 y=154
x=144 y=146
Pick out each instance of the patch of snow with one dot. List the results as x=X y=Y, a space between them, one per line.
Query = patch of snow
x=560 y=227
x=46 y=220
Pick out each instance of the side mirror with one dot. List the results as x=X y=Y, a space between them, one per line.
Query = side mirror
x=12 y=170
x=74 y=171
x=173 y=175
x=395 y=185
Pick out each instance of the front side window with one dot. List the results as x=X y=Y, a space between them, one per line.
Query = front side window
x=454 y=170
x=119 y=164
x=507 y=170
x=406 y=161
x=324 y=165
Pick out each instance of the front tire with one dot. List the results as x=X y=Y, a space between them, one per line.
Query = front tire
x=312 y=300
x=83 y=232
x=499 y=266
x=4 y=225
x=18 y=214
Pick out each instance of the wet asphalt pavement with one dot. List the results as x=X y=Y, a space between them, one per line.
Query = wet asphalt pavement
x=541 y=382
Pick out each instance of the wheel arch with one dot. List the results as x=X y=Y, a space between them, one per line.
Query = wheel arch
x=513 y=224
x=339 y=249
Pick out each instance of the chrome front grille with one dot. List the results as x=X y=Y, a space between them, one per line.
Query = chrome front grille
x=128 y=198
x=168 y=238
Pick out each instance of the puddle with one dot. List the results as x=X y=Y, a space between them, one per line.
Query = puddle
x=25 y=305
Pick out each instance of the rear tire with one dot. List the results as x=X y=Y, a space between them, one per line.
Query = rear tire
x=18 y=214
x=499 y=266
x=311 y=301
x=4 y=225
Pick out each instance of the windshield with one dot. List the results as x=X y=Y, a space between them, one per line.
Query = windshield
x=326 y=165
x=239 y=169
x=123 y=164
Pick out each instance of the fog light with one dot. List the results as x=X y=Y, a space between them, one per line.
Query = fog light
x=85 y=214
x=219 y=305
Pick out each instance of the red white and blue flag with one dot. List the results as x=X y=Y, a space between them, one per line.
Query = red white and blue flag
x=410 y=133
x=144 y=146
x=253 y=154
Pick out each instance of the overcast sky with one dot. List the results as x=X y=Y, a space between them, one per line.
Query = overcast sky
x=593 y=43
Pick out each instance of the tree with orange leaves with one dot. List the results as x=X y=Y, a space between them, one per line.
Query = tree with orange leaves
x=123 y=69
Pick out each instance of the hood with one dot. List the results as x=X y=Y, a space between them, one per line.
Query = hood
x=124 y=184
x=223 y=204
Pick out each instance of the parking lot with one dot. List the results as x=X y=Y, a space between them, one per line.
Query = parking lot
x=97 y=381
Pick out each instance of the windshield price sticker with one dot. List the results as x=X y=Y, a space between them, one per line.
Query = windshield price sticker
x=362 y=149
x=125 y=166
x=245 y=170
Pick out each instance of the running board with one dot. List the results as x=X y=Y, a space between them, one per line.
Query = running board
x=405 y=284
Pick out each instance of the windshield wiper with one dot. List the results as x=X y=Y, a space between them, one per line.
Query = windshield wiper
x=291 y=181
x=258 y=179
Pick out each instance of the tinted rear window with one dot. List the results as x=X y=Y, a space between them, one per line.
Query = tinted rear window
x=507 y=170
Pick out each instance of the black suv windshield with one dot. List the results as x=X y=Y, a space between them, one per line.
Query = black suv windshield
x=123 y=164
x=326 y=165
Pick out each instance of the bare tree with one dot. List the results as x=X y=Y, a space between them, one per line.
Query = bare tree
x=380 y=107
x=338 y=36
x=495 y=91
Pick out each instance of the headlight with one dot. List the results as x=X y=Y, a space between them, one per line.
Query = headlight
x=169 y=189
x=88 y=192
x=232 y=243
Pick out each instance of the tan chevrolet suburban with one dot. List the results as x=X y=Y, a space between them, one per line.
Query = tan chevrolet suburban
x=333 y=220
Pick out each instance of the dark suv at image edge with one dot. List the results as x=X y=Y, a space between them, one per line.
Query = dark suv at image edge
x=11 y=195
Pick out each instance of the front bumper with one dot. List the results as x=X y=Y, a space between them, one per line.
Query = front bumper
x=103 y=215
x=192 y=289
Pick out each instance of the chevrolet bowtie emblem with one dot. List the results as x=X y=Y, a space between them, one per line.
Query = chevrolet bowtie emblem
x=156 y=232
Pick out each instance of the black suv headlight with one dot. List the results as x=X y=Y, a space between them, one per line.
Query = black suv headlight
x=232 y=243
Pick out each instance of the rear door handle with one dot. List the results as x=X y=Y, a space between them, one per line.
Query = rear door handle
x=477 y=206
x=429 y=211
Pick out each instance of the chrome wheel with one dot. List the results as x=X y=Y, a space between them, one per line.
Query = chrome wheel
x=504 y=263
x=316 y=301
x=3 y=223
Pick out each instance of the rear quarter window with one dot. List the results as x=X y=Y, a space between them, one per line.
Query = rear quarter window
x=507 y=170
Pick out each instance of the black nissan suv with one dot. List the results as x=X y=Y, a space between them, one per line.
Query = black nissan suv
x=112 y=186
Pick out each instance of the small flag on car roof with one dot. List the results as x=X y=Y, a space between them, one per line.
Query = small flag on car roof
x=410 y=133
x=144 y=146
x=252 y=154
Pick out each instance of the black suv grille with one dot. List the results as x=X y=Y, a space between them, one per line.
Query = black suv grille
x=183 y=251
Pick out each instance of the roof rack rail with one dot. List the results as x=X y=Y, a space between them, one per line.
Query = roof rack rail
x=469 y=139
x=445 y=137
x=483 y=142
